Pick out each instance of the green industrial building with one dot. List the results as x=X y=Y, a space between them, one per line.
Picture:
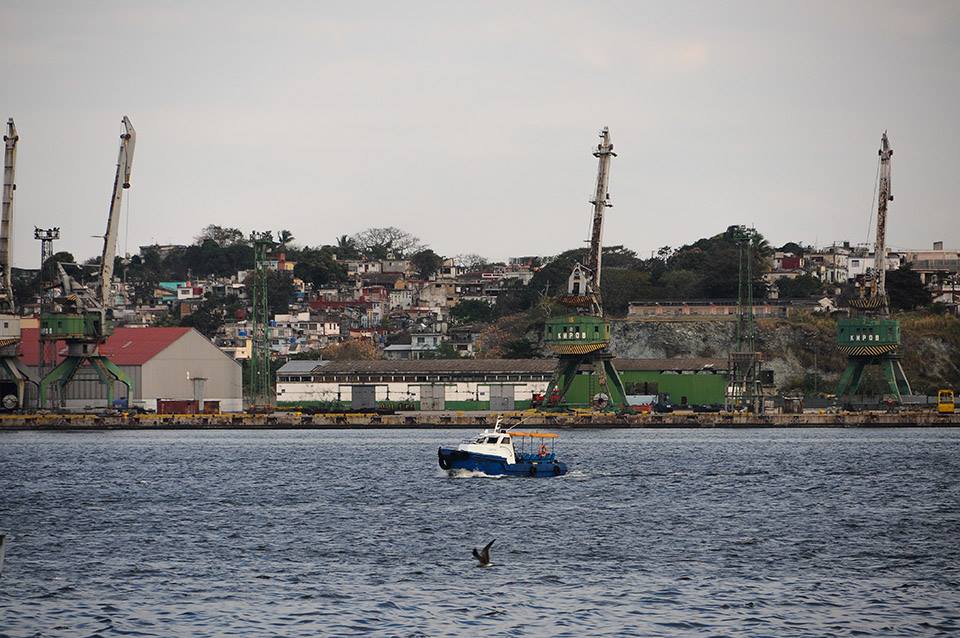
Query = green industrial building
x=484 y=384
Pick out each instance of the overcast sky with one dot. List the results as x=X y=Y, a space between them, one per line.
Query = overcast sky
x=471 y=124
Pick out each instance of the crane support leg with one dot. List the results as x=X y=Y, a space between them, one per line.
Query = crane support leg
x=562 y=380
x=897 y=383
x=61 y=376
x=11 y=373
x=895 y=377
x=613 y=385
x=607 y=378
x=108 y=371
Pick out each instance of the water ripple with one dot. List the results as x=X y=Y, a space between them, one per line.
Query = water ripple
x=786 y=533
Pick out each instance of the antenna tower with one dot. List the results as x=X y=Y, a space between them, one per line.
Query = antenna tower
x=260 y=373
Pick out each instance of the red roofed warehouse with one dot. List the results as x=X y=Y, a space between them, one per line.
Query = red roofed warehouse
x=162 y=363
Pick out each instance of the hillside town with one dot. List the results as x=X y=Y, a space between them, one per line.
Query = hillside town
x=381 y=295
x=404 y=321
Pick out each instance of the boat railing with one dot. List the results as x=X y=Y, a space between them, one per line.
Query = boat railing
x=533 y=456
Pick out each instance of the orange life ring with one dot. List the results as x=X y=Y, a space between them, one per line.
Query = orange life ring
x=543 y=450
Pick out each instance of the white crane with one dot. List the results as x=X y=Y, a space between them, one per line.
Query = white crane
x=12 y=379
x=121 y=182
x=6 y=222
x=77 y=293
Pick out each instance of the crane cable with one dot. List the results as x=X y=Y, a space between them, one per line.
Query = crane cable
x=126 y=230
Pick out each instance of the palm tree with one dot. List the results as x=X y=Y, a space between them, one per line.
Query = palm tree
x=347 y=247
x=284 y=237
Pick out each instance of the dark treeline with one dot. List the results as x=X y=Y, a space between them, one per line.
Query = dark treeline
x=706 y=269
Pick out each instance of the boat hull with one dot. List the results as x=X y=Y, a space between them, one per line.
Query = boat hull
x=452 y=460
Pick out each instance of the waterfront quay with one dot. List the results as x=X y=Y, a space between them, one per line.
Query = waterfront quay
x=296 y=420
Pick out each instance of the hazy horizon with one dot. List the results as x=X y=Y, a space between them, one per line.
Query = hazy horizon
x=471 y=125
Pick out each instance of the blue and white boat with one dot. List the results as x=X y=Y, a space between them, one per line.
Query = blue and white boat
x=504 y=452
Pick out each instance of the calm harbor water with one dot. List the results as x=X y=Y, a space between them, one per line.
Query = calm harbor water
x=654 y=532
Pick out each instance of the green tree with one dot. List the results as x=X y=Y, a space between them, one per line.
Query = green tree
x=716 y=260
x=792 y=247
x=207 y=318
x=619 y=257
x=26 y=286
x=426 y=263
x=347 y=248
x=284 y=237
x=473 y=311
x=280 y=291
x=800 y=287
x=471 y=262
x=905 y=289
x=619 y=287
x=319 y=267
x=445 y=350
x=379 y=243
x=49 y=273
x=222 y=236
x=680 y=283
x=521 y=348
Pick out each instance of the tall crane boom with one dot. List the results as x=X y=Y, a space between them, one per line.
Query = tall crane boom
x=121 y=182
x=600 y=201
x=880 y=250
x=6 y=222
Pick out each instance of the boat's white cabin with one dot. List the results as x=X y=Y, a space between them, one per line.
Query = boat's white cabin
x=493 y=442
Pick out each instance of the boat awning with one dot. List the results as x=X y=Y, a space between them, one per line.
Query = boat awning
x=540 y=435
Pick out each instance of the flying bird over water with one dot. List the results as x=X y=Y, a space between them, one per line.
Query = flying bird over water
x=484 y=554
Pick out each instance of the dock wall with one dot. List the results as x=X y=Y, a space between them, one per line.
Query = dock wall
x=293 y=420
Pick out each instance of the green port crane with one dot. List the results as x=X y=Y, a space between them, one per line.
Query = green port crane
x=580 y=336
x=871 y=338
x=83 y=317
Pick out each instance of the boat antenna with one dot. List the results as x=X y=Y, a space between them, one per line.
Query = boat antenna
x=519 y=421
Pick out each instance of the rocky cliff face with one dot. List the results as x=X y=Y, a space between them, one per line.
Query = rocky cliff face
x=799 y=350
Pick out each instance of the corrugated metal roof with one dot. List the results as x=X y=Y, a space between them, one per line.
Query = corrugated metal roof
x=503 y=366
x=297 y=366
x=126 y=347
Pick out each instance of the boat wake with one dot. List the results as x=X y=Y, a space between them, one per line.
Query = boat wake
x=458 y=473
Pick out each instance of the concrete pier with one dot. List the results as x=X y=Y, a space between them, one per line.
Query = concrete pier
x=295 y=420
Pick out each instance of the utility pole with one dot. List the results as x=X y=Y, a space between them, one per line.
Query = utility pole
x=46 y=237
x=260 y=373
x=745 y=387
x=48 y=356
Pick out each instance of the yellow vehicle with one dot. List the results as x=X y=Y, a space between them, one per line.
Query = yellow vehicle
x=945 y=402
